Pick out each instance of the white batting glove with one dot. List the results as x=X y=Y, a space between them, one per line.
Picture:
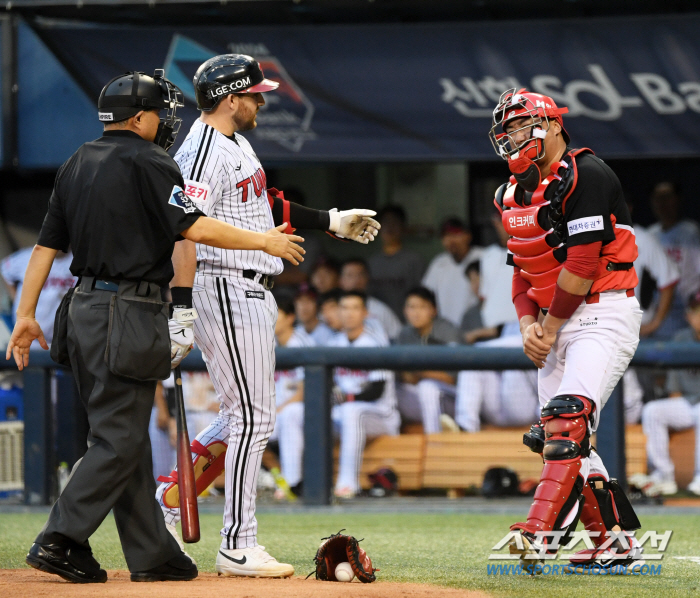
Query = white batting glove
x=181 y=327
x=356 y=225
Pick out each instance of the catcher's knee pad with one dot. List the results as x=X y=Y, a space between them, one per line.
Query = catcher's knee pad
x=566 y=429
x=208 y=464
x=605 y=507
x=534 y=439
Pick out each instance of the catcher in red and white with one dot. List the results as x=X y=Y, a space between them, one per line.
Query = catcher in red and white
x=573 y=248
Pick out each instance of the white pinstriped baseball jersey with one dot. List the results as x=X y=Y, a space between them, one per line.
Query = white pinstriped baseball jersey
x=225 y=179
x=355 y=381
x=287 y=381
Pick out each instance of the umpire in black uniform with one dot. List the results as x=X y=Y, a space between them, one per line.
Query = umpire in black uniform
x=119 y=202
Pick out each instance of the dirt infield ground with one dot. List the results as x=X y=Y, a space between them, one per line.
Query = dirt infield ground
x=28 y=582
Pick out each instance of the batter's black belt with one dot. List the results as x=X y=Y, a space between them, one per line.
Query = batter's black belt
x=266 y=280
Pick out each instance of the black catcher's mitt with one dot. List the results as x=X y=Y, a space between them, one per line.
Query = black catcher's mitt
x=340 y=548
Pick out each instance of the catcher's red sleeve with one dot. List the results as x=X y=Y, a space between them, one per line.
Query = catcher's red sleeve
x=524 y=306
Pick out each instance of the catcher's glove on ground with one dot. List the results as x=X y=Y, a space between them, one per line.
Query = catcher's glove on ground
x=181 y=327
x=340 y=548
x=356 y=225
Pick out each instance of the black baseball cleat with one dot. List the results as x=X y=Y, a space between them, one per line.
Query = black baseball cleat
x=70 y=561
x=179 y=568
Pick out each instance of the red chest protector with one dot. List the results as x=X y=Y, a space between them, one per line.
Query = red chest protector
x=535 y=223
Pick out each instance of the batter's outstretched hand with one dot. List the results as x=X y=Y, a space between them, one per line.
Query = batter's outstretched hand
x=25 y=332
x=356 y=225
x=536 y=344
x=280 y=244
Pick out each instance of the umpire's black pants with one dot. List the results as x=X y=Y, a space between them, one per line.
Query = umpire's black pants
x=117 y=470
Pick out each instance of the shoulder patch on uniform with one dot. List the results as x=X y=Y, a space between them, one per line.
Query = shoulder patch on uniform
x=197 y=192
x=179 y=198
x=254 y=295
x=583 y=225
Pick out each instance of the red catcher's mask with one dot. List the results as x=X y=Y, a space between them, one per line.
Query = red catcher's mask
x=536 y=110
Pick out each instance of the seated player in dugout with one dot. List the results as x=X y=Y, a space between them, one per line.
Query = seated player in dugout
x=573 y=248
x=364 y=403
x=426 y=396
x=289 y=391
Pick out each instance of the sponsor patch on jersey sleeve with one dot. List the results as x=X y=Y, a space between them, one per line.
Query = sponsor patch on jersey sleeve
x=198 y=192
x=584 y=225
x=179 y=198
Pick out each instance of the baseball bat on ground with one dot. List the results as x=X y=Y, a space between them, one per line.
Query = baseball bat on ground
x=185 y=470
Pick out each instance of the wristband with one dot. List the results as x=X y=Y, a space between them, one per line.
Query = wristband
x=182 y=297
x=564 y=304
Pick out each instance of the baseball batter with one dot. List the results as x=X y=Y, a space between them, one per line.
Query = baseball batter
x=573 y=247
x=236 y=312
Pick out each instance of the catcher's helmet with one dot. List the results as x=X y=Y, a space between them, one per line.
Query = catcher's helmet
x=513 y=105
x=128 y=94
x=226 y=74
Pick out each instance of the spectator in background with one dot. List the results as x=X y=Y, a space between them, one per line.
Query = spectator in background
x=289 y=394
x=658 y=279
x=446 y=275
x=498 y=315
x=162 y=430
x=680 y=411
x=681 y=240
x=506 y=398
x=421 y=395
x=306 y=309
x=325 y=276
x=354 y=276
x=471 y=320
x=60 y=279
x=329 y=305
x=394 y=270
x=365 y=401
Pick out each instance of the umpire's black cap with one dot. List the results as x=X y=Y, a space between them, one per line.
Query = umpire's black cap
x=226 y=74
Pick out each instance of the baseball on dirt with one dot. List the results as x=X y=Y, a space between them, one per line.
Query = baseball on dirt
x=343 y=572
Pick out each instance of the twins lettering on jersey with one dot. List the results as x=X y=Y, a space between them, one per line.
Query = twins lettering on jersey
x=346 y=373
x=258 y=181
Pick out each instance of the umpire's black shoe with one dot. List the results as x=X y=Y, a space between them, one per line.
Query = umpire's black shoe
x=71 y=562
x=179 y=568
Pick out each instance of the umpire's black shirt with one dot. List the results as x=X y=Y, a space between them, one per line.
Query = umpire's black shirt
x=119 y=202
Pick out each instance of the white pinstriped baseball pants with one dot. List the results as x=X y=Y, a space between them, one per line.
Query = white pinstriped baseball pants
x=236 y=333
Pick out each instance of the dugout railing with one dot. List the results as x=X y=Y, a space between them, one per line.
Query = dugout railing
x=53 y=429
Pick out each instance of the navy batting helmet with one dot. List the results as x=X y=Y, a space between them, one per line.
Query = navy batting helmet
x=226 y=74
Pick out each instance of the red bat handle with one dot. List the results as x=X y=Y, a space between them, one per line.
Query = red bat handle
x=185 y=478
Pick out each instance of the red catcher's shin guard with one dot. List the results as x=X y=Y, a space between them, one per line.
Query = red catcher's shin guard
x=591 y=516
x=208 y=464
x=566 y=442
x=557 y=493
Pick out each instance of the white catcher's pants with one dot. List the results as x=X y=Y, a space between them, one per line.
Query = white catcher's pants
x=590 y=355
